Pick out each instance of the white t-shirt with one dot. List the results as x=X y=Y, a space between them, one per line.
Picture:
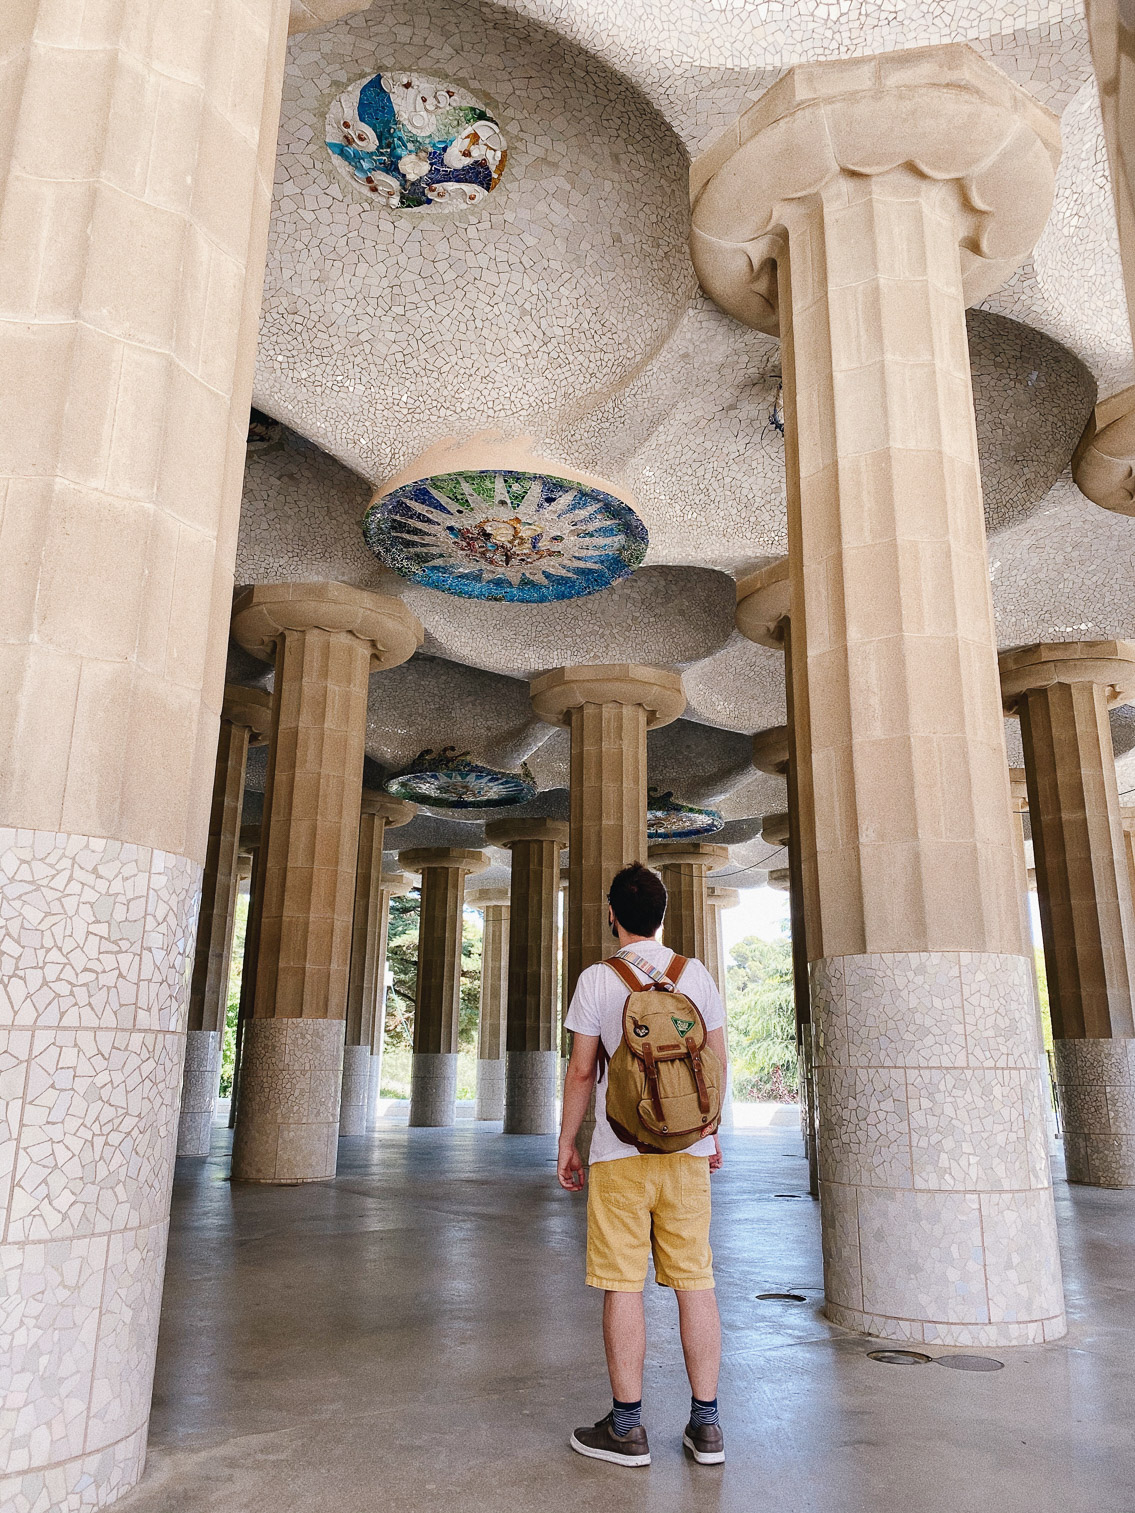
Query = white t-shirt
x=597 y=1009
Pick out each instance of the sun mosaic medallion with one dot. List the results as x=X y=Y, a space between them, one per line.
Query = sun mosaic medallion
x=527 y=537
x=668 y=820
x=416 y=143
x=448 y=779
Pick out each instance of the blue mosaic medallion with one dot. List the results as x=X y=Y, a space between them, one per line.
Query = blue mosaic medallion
x=526 y=537
x=667 y=820
x=415 y=143
x=447 y=779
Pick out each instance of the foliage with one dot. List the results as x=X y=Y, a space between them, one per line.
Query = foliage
x=236 y=973
x=402 y=960
x=1042 y=993
x=762 y=1021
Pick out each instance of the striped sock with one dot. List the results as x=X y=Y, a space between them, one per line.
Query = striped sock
x=625 y=1415
x=703 y=1413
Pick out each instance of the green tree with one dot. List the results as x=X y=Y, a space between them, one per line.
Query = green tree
x=402 y=959
x=232 y=1004
x=762 y=1021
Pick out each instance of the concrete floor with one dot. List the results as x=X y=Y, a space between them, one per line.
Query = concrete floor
x=415 y=1337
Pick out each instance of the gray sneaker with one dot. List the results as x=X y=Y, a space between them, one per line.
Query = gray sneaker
x=705 y=1442
x=601 y=1442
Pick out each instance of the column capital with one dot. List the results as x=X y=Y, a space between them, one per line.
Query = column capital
x=937 y=113
x=250 y=707
x=250 y=834
x=484 y=898
x=262 y=613
x=510 y=832
x=421 y=858
x=778 y=878
x=556 y=693
x=690 y=853
x=724 y=898
x=397 y=884
x=1110 y=663
x=774 y=829
x=386 y=807
x=770 y=750
x=1127 y=818
x=763 y=600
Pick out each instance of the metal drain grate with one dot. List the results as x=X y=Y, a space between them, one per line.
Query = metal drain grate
x=788 y=1195
x=780 y=1297
x=969 y=1362
x=900 y=1357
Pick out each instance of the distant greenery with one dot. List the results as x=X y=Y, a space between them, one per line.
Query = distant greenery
x=402 y=959
x=762 y=1021
x=236 y=970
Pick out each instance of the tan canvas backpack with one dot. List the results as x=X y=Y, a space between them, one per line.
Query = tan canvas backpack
x=664 y=1084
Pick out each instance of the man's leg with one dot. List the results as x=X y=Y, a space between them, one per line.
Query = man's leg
x=624 y=1338
x=700 y=1325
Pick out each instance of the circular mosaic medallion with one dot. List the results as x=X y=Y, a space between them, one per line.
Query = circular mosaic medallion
x=667 y=820
x=529 y=537
x=415 y=143
x=447 y=779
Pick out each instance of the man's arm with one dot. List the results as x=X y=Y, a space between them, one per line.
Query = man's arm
x=578 y=1084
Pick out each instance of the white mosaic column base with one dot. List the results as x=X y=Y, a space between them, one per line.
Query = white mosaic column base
x=96 y=943
x=356 y=1087
x=1097 y=1099
x=490 y=1089
x=287 y=1122
x=935 y=1192
x=374 y=1088
x=199 y=1092
x=433 y=1088
x=530 y=1092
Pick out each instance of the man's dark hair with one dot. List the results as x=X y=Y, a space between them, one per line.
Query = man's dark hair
x=638 y=898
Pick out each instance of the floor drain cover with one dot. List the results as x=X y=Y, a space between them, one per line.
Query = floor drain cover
x=899 y=1357
x=788 y=1195
x=780 y=1297
x=970 y=1362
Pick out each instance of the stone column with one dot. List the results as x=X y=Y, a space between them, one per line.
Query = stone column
x=131 y=267
x=250 y=835
x=719 y=899
x=608 y=710
x=1061 y=693
x=493 y=904
x=245 y=718
x=393 y=885
x=437 y=1001
x=325 y=638
x=368 y=942
x=855 y=210
x=1127 y=819
x=531 y=1050
x=684 y=867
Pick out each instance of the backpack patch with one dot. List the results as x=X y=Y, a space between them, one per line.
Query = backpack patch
x=641 y=1030
x=683 y=1026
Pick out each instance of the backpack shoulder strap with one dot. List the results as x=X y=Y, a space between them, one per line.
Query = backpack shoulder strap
x=678 y=965
x=625 y=972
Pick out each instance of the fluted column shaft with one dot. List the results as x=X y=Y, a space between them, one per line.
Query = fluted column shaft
x=1060 y=694
x=437 y=1000
x=246 y=712
x=325 y=638
x=531 y=1046
x=828 y=215
x=684 y=868
x=494 y=998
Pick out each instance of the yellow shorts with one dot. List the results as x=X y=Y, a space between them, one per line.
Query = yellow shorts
x=641 y=1205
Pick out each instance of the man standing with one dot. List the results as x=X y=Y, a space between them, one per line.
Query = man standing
x=642 y=1204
